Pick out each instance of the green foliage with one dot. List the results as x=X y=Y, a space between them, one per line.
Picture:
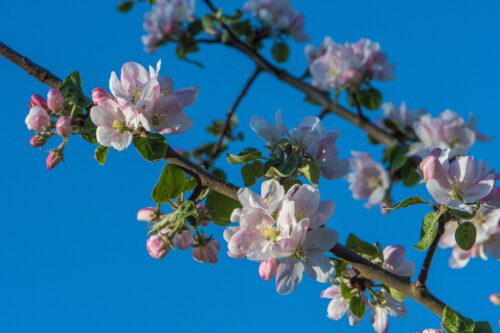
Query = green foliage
x=152 y=147
x=74 y=98
x=190 y=184
x=246 y=155
x=125 y=6
x=252 y=171
x=170 y=185
x=357 y=306
x=397 y=295
x=454 y=322
x=365 y=249
x=100 y=154
x=88 y=132
x=280 y=51
x=345 y=291
x=428 y=231
x=280 y=168
x=465 y=235
x=370 y=98
x=411 y=201
x=311 y=171
x=220 y=207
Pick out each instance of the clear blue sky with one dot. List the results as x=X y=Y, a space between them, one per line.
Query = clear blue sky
x=72 y=255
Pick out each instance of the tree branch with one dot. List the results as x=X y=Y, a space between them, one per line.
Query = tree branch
x=424 y=271
x=414 y=291
x=227 y=125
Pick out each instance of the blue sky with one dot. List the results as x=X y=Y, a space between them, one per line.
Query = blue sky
x=72 y=255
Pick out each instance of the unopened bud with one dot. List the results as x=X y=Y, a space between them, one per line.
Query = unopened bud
x=146 y=214
x=207 y=253
x=37 y=100
x=38 y=140
x=55 y=156
x=55 y=100
x=98 y=94
x=157 y=247
x=63 y=126
x=268 y=269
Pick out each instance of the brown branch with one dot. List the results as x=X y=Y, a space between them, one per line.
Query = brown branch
x=227 y=125
x=414 y=291
x=424 y=271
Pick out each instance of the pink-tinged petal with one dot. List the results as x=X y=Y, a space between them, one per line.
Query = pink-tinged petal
x=459 y=258
x=492 y=246
x=146 y=214
x=289 y=276
x=177 y=123
x=273 y=193
x=278 y=118
x=166 y=85
x=379 y=319
x=122 y=141
x=229 y=232
x=492 y=200
x=252 y=218
x=407 y=268
x=241 y=241
x=184 y=240
x=133 y=75
x=250 y=199
x=320 y=240
x=236 y=215
x=187 y=96
x=268 y=269
x=495 y=298
x=105 y=135
x=439 y=193
x=116 y=87
x=265 y=130
x=105 y=115
x=448 y=238
x=394 y=307
x=331 y=292
x=337 y=308
x=260 y=250
x=394 y=255
x=306 y=198
x=333 y=168
x=320 y=268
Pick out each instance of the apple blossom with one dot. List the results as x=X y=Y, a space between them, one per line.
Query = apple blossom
x=395 y=262
x=38 y=140
x=375 y=62
x=207 y=253
x=495 y=298
x=55 y=156
x=37 y=100
x=114 y=123
x=165 y=21
x=487 y=238
x=98 y=95
x=458 y=184
x=268 y=269
x=183 y=240
x=368 y=179
x=55 y=100
x=313 y=53
x=146 y=214
x=307 y=204
x=63 y=126
x=401 y=115
x=166 y=116
x=384 y=307
x=38 y=119
x=186 y=96
x=338 y=306
x=157 y=247
x=278 y=15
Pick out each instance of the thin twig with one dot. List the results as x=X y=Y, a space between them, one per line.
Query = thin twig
x=424 y=271
x=227 y=125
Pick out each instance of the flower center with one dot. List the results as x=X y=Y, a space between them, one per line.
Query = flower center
x=457 y=193
x=136 y=94
x=156 y=119
x=120 y=126
x=270 y=233
x=479 y=218
x=299 y=253
x=374 y=182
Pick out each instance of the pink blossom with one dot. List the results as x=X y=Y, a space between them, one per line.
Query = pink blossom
x=184 y=240
x=98 y=94
x=55 y=100
x=338 y=306
x=207 y=253
x=146 y=214
x=38 y=119
x=278 y=15
x=55 y=156
x=375 y=61
x=37 y=100
x=402 y=116
x=368 y=179
x=157 y=247
x=114 y=123
x=268 y=269
x=381 y=311
x=63 y=126
x=395 y=262
x=495 y=298
x=307 y=204
x=38 y=140
x=186 y=96
x=166 y=116
x=313 y=53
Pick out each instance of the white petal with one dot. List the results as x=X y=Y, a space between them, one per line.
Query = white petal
x=289 y=275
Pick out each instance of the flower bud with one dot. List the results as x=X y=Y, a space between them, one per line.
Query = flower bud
x=55 y=156
x=146 y=214
x=204 y=217
x=38 y=119
x=268 y=269
x=98 y=94
x=184 y=240
x=55 y=100
x=207 y=253
x=63 y=126
x=157 y=247
x=427 y=164
x=37 y=100
x=495 y=299
x=38 y=140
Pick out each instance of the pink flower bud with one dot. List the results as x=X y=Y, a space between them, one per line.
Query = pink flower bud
x=37 y=140
x=184 y=240
x=98 y=94
x=37 y=100
x=146 y=214
x=55 y=156
x=268 y=269
x=157 y=247
x=495 y=299
x=207 y=253
x=38 y=119
x=204 y=218
x=63 y=126
x=55 y=100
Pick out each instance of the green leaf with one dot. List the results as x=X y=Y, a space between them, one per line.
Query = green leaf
x=220 y=207
x=282 y=169
x=74 y=98
x=428 y=231
x=190 y=184
x=252 y=171
x=311 y=171
x=454 y=322
x=465 y=235
x=280 y=51
x=170 y=185
x=243 y=28
x=370 y=98
x=195 y=27
x=345 y=291
x=357 y=306
x=397 y=295
x=482 y=327
x=289 y=182
x=246 y=155
x=89 y=131
x=152 y=147
x=125 y=6
x=100 y=154
x=408 y=202
x=363 y=248
x=398 y=159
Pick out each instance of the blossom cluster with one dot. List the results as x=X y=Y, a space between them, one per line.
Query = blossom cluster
x=165 y=21
x=179 y=235
x=140 y=100
x=279 y=16
x=285 y=232
x=341 y=66
x=309 y=140
x=46 y=119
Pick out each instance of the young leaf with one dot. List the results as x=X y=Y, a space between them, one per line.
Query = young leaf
x=357 y=306
x=465 y=235
x=311 y=171
x=363 y=248
x=125 y=6
x=370 y=98
x=283 y=169
x=252 y=171
x=482 y=327
x=89 y=131
x=454 y=322
x=246 y=155
x=100 y=154
x=220 y=207
x=280 y=51
x=345 y=291
x=74 y=98
x=190 y=184
x=407 y=202
x=152 y=147
x=397 y=295
x=428 y=231
x=170 y=185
